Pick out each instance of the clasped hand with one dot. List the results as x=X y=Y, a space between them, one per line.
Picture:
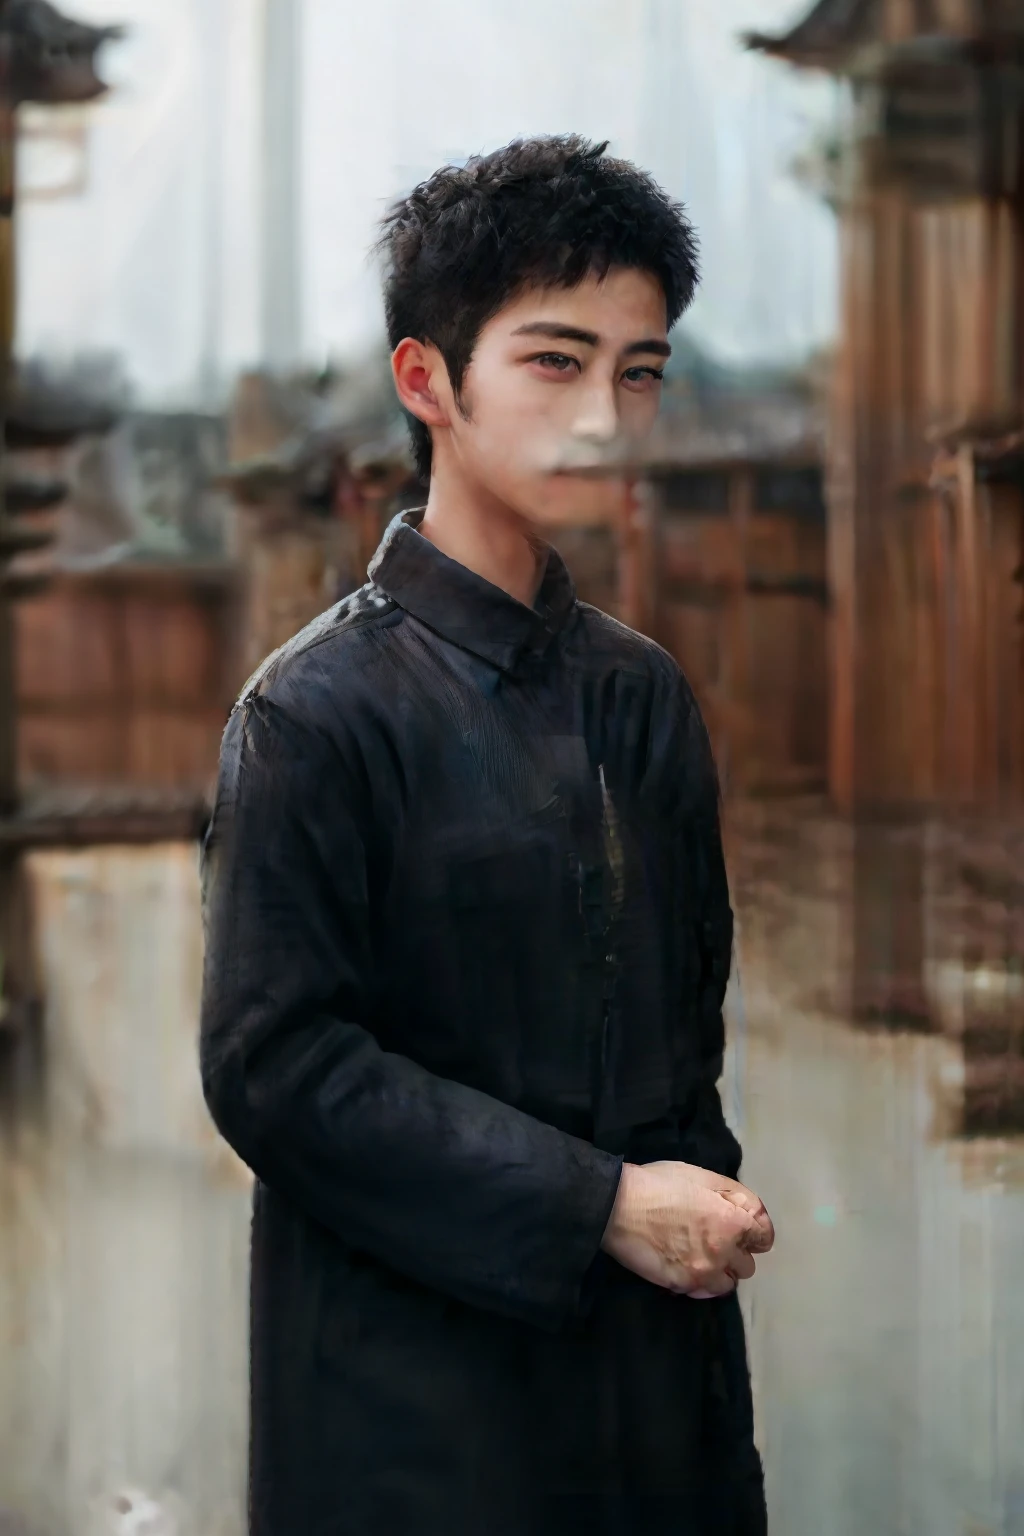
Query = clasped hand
x=687 y=1229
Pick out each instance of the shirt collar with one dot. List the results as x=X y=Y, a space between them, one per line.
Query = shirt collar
x=463 y=607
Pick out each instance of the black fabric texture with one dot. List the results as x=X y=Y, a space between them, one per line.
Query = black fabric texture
x=468 y=936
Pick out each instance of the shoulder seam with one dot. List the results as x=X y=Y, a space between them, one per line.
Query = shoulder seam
x=262 y=671
x=645 y=642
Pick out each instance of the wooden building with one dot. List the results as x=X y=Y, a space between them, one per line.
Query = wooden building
x=126 y=673
x=714 y=544
x=734 y=586
x=308 y=510
x=44 y=57
x=123 y=1218
x=925 y=472
x=925 y=483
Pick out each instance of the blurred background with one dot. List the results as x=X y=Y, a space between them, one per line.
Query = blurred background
x=200 y=452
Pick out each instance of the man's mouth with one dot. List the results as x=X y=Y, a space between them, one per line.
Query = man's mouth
x=596 y=460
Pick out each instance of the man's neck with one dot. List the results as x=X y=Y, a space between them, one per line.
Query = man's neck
x=486 y=537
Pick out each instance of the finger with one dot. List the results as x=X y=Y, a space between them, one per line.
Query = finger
x=763 y=1235
x=741 y=1233
x=743 y=1198
x=759 y=1234
x=741 y=1265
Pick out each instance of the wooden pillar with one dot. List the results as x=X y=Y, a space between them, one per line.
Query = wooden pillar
x=8 y=788
x=635 y=536
x=883 y=727
x=736 y=683
x=288 y=562
x=922 y=687
x=982 y=490
x=883 y=720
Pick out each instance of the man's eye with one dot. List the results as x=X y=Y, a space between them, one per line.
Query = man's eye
x=556 y=360
x=638 y=375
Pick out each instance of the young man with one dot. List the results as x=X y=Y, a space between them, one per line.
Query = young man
x=468 y=937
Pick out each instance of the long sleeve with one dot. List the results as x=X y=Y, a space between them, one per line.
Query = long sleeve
x=687 y=782
x=715 y=922
x=443 y=1183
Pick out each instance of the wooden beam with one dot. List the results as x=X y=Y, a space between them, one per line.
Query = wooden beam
x=89 y=829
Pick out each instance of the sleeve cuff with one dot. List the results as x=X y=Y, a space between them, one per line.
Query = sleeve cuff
x=593 y=1260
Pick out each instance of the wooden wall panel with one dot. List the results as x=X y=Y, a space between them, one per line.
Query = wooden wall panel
x=170 y=652
x=696 y=548
x=1006 y=609
x=964 y=277
x=592 y=556
x=58 y=747
x=66 y=648
x=929 y=354
x=984 y=642
x=741 y=602
x=125 y=679
x=788 y=689
x=692 y=632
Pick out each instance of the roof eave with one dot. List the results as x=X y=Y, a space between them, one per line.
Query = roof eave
x=794 y=51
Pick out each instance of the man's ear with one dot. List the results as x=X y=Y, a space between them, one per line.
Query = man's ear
x=421 y=380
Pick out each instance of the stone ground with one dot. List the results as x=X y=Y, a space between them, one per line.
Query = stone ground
x=874 y=1075
x=887 y=1328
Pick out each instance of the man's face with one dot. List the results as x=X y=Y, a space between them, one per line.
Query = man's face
x=557 y=378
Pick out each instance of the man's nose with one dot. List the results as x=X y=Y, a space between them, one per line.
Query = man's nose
x=598 y=419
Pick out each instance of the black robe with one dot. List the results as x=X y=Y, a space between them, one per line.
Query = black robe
x=468 y=937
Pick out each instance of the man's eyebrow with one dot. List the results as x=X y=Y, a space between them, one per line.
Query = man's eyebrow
x=557 y=330
x=651 y=344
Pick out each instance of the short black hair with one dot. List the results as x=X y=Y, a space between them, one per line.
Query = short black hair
x=542 y=210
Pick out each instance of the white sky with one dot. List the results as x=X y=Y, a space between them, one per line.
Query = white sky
x=158 y=259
